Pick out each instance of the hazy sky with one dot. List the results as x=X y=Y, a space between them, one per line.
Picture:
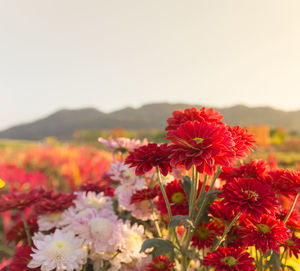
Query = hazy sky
x=114 y=53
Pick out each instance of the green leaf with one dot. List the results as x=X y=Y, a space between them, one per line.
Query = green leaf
x=161 y=247
x=186 y=186
x=181 y=220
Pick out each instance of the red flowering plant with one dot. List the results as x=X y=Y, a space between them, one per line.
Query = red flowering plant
x=225 y=216
x=189 y=204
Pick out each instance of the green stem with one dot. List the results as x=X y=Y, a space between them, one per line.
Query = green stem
x=201 y=192
x=162 y=188
x=291 y=209
x=192 y=195
x=183 y=237
x=256 y=259
x=200 y=212
x=261 y=260
x=281 y=258
x=157 y=226
x=155 y=220
x=192 y=198
x=227 y=229
x=285 y=259
x=26 y=227
x=215 y=178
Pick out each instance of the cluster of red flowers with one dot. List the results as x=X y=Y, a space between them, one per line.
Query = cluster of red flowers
x=251 y=192
x=198 y=137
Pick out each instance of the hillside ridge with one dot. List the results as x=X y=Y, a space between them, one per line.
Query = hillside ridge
x=64 y=122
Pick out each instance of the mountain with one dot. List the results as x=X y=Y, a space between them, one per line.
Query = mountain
x=63 y=123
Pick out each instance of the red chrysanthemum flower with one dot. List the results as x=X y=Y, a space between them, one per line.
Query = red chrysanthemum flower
x=256 y=169
x=250 y=196
x=204 y=235
x=202 y=144
x=177 y=199
x=229 y=259
x=264 y=234
x=20 y=201
x=293 y=222
x=100 y=186
x=191 y=114
x=292 y=245
x=145 y=194
x=17 y=233
x=146 y=157
x=223 y=215
x=233 y=238
x=51 y=203
x=160 y=263
x=97 y=187
x=244 y=142
x=219 y=210
x=286 y=181
x=21 y=259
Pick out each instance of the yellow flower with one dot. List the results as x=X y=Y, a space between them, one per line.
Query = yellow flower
x=2 y=183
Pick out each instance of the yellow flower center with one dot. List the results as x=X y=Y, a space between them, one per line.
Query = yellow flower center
x=198 y=140
x=54 y=216
x=95 y=203
x=101 y=228
x=59 y=249
x=177 y=197
x=263 y=228
x=251 y=194
x=160 y=265
x=202 y=232
x=231 y=261
x=2 y=183
x=144 y=205
x=133 y=241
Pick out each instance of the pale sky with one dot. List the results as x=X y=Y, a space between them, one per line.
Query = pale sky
x=110 y=54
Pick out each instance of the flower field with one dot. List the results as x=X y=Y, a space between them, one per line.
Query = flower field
x=193 y=203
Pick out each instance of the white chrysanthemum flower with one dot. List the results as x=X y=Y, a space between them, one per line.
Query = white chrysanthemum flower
x=123 y=194
x=127 y=252
x=50 y=221
x=60 y=251
x=142 y=210
x=86 y=205
x=129 y=184
x=123 y=174
x=130 y=244
x=92 y=200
